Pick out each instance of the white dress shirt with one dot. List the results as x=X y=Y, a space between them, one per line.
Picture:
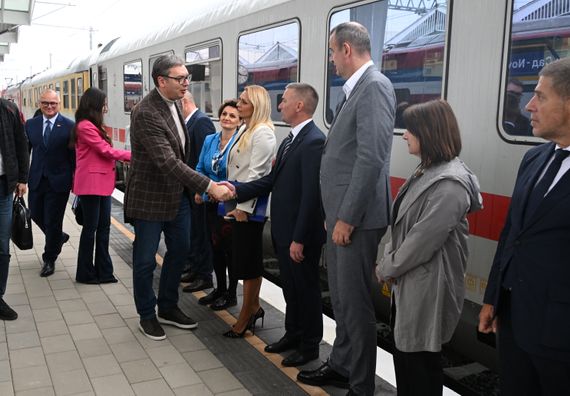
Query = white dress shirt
x=352 y=80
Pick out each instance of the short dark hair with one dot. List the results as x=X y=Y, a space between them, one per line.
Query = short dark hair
x=516 y=81
x=559 y=72
x=226 y=103
x=308 y=94
x=163 y=64
x=354 y=34
x=435 y=126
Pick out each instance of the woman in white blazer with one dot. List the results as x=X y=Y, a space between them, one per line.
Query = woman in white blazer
x=250 y=158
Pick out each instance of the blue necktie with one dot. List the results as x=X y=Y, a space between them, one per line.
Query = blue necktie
x=47 y=132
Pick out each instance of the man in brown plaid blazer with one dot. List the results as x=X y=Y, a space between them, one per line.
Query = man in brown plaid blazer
x=157 y=196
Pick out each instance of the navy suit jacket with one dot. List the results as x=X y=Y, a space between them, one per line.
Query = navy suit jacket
x=294 y=182
x=56 y=161
x=537 y=250
x=199 y=126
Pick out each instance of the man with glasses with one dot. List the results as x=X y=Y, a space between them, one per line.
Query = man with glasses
x=514 y=122
x=157 y=196
x=199 y=266
x=14 y=163
x=51 y=174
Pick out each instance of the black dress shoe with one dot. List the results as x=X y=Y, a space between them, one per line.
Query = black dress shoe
x=210 y=297
x=188 y=277
x=299 y=358
x=223 y=302
x=109 y=280
x=7 y=313
x=88 y=281
x=197 y=285
x=322 y=376
x=284 y=344
x=64 y=238
x=47 y=269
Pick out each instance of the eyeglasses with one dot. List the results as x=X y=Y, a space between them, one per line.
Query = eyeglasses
x=180 y=80
x=46 y=104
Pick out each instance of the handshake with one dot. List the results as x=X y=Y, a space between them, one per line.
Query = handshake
x=222 y=191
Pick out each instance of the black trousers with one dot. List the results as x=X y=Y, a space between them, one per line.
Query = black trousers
x=221 y=236
x=522 y=373
x=200 y=255
x=417 y=373
x=301 y=289
x=48 y=208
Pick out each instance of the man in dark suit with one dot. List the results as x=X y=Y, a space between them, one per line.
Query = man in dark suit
x=51 y=174
x=14 y=163
x=198 y=270
x=356 y=201
x=157 y=196
x=297 y=225
x=527 y=300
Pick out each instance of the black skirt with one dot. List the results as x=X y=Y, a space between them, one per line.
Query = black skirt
x=247 y=255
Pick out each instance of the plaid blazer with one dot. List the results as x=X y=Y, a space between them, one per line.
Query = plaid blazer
x=158 y=173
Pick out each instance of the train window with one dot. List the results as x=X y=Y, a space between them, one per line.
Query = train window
x=132 y=84
x=58 y=89
x=151 y=61
x=408 y=47
x=269 y=58
x=79 y=88
x=103 y=78
x=204 y=63
x=540 y=34
x=66 y=94
x=73 y=97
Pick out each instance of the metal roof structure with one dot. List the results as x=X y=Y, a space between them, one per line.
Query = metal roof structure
x=542 y=9
x=431 y=25
x=13 y=13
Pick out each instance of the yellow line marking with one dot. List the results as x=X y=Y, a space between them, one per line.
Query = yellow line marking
x=253 y=340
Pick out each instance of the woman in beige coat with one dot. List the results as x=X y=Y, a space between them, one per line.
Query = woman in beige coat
x=250 y=158
x=426 y=260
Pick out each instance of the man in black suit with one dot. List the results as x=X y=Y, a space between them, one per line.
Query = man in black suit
x=297 y=225
x=527 y=301
x=198 y=270
x=51 y=174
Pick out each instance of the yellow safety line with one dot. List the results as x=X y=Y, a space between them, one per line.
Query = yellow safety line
x=253 y=340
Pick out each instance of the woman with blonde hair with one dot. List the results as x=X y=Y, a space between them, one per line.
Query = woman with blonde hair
x=250 y=158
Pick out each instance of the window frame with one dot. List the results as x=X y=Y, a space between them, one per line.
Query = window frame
x=446 y=51
x=123 y=81
x=207 y=44
x=267 y=27
x=520 y=140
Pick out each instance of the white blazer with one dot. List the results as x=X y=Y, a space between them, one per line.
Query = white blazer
x=252 y=162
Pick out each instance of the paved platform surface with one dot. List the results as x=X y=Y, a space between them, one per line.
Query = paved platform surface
x=74 y=339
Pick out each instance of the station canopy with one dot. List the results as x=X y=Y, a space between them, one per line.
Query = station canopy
x=13 y=13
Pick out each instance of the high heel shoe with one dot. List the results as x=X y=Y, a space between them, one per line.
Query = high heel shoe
x=259 y=314
x=232 y=334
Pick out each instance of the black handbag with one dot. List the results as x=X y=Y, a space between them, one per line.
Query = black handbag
x=77 y=210
x=21 y=225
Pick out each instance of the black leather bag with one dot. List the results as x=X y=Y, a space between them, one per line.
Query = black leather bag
x=21 y=225
x=77 y=210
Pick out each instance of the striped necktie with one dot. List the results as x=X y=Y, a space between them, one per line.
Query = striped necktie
x=47 y=132
x=287 y=144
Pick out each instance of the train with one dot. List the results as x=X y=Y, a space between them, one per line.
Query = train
x=463 y=51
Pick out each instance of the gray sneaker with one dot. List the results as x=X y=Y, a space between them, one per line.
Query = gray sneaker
x=152 y=329
x=175 y=317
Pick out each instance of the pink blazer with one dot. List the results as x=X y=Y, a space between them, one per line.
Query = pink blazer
x=95 y=162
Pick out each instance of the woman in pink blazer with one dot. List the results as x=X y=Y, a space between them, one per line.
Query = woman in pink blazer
x=94 y=182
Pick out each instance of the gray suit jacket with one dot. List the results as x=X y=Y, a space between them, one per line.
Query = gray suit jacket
x=355 y=184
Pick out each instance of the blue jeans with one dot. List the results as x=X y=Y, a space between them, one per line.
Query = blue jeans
x=147 y=238
x=5 y=231
x=96 y=227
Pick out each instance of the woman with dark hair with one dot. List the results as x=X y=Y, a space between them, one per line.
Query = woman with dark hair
x=426 y=259
x=213 y=164
x=93 y=182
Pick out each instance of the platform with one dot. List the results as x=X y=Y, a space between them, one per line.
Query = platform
x=75 y=339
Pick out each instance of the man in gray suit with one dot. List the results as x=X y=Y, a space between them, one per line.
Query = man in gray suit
x=355 y=193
